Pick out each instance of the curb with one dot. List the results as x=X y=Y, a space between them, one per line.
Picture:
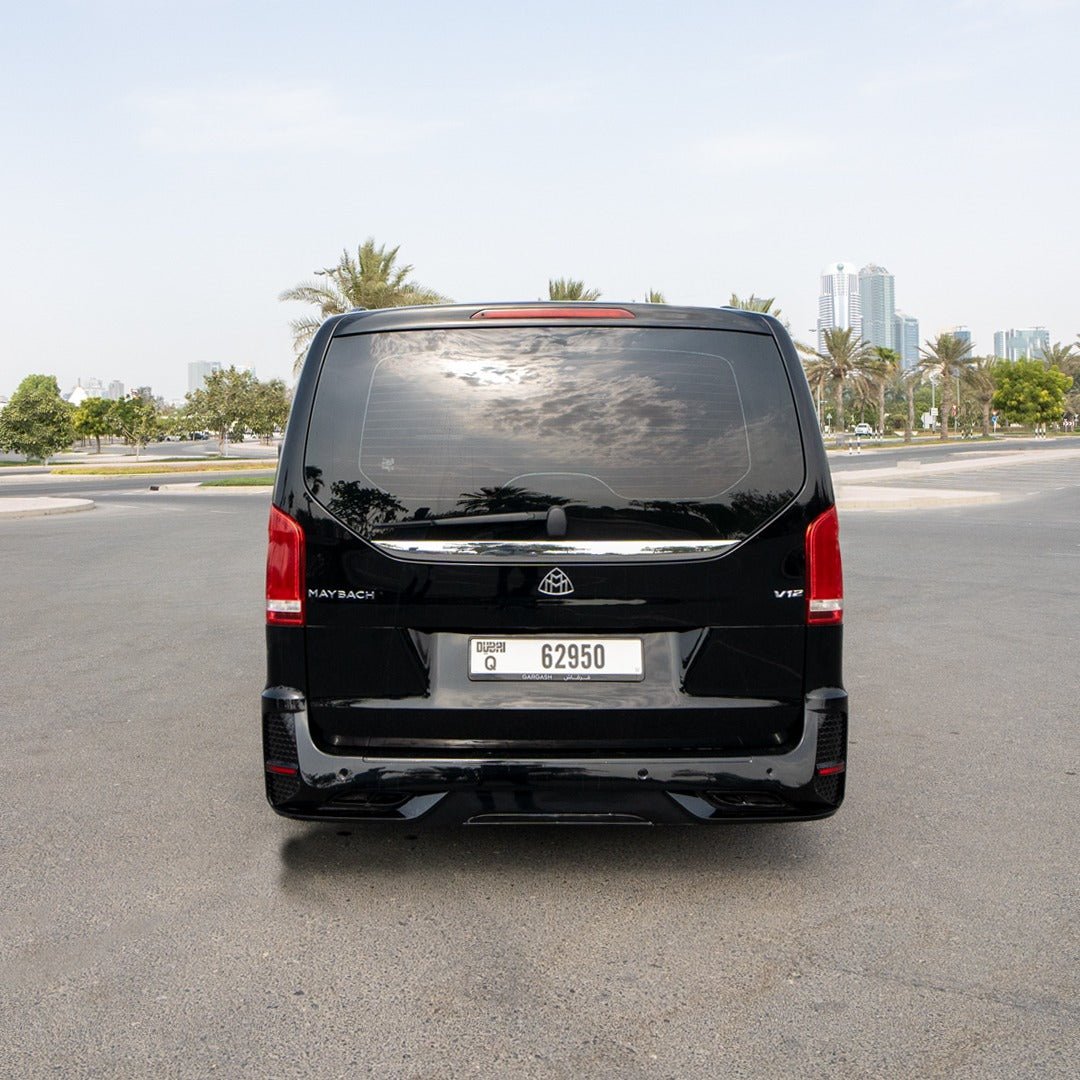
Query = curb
x=195 y=488
x=858 y=497
x=42 y=506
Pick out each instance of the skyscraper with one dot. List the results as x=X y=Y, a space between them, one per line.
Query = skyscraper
x=1025 y=344
x=963 y=335
x=906 y=336
x=839 y=305
x=878 y=301
x=197 y=372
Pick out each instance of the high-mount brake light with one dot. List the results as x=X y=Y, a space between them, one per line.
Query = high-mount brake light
x=541 y=311
x=284 y=571
x=824 y=572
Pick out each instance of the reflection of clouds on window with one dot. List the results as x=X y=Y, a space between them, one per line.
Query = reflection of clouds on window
x=640 y=418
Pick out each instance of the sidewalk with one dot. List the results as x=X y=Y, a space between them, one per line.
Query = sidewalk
x=41 y=506
x=872 y=489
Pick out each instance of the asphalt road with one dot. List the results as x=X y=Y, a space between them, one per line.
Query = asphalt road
x=158 y=919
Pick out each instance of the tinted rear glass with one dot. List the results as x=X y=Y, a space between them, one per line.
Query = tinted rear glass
x=635 y=433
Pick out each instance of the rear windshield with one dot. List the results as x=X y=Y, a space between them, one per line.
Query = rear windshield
x=477 y=434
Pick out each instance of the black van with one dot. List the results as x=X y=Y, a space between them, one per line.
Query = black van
x=553 y=563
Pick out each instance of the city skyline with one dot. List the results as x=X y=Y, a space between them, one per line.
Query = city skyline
x=1010 y=344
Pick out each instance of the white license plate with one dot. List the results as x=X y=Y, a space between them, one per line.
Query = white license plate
x=557 y=659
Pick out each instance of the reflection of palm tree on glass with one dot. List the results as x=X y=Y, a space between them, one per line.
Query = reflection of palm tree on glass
x=506 y=499
x=361 y=508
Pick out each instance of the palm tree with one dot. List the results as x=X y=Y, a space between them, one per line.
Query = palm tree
x=889 y=365
x=910 y=379
x=1063 y=357
x=762 y=304
x=846 y=358
x=370 y=279
x=980 y=379
x=946 y=357
x=570 y=289
x=653 y=296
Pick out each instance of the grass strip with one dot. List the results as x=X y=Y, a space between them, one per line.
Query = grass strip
x=240 y=481
x=151 y=470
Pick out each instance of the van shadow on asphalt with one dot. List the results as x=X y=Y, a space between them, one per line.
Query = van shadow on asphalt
x=351 y=851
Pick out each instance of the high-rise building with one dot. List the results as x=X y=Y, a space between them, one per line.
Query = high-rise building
x=197 y=371
x=963 y=335
x=1025 y=344
x=878 y=301
x=839 y=305
x=115 y=391
x=906 y=336
x=143 y=392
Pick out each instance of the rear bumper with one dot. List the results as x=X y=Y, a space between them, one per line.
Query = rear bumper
x=307 y=783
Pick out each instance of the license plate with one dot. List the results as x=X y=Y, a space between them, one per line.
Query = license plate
x=557 y=659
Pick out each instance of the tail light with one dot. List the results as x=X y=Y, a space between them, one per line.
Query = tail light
x=284 y=571
x=824 y=573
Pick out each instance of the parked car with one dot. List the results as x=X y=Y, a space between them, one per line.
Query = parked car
x=553 y=562
x=863 y=429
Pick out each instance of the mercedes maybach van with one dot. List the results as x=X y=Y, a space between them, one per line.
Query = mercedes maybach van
x=553 y=563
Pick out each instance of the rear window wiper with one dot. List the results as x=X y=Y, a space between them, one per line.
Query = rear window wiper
x=555 y=518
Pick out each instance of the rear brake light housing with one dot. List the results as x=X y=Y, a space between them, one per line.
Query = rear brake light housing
x=285 y=558
x=824 y=571
x=543 y=311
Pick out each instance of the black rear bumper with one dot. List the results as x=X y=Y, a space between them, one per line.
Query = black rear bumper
x=803 y=783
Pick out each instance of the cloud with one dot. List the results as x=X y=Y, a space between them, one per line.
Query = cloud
x=264 y=117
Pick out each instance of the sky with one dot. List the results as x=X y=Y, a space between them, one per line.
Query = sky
x=166 y=170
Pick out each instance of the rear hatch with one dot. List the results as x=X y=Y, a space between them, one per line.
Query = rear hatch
x=554 y=540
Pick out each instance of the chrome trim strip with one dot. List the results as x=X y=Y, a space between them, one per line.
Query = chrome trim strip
x=523 y=550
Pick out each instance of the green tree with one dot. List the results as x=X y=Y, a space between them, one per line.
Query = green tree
x=847 y=360
x=1028 y=392
x=370 y=279
x=570 y=289
x=225 y=404
x=945 y=359
x=135 y=420
x=654 y=296
x=270 y=408
x=91 y=419
x=37 y=420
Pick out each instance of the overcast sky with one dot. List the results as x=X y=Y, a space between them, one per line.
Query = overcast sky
x=167 y=169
